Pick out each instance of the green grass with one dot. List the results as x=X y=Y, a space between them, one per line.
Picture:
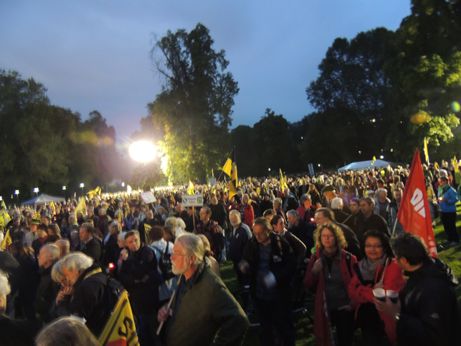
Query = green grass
x=304 y=329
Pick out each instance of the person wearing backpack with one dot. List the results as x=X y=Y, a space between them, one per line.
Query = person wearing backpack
x=163 y=249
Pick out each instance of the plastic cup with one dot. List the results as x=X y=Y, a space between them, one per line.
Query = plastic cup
x=393 y=296
x=380 y=294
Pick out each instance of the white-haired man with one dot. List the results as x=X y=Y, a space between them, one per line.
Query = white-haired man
x=203 y=312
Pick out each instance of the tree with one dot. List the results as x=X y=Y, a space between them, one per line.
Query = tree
x=194 y=109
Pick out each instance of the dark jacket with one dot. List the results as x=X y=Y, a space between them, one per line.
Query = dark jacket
x=238 y=240
x=205 y=313
x=219 y=213
x=429 y=314
x=93 y=249
x=139 y=275
x=46 y=295
x=17 y=332
x=298 y=247
x=353 y=245
x=89 y=299
x=304 y=232
x=374 y=222
x=282 y=264
x=215 y=236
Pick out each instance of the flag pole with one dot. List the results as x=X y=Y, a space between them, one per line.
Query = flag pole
x=395 y=226
x=168 y=307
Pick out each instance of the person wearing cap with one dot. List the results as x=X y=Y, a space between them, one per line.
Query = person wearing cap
x=32 y=234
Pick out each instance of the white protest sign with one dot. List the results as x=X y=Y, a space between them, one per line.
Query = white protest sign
x=192 y=201
x=148 y=197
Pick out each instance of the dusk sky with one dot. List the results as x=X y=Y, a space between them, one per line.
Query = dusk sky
x=94 y=54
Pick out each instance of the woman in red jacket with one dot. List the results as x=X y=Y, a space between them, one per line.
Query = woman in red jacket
x=328 y=274
x=378 y=269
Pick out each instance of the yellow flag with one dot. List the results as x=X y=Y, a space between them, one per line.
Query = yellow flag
x=53 y=208
x=283 y=181
x=81 y=207
x=436 y=165
x=4 y=218
x=95 y=192
x=120 y=329
x=227 y=168
x=6 y=242
x=426 y=150
x=190 y=188
x=373 y=160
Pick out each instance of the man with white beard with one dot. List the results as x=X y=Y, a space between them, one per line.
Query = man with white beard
x=203 y=311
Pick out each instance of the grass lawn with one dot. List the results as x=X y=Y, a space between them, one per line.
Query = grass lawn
x=304 y=330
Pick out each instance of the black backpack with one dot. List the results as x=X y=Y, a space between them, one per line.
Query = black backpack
x=112 y=293
x=164 y=262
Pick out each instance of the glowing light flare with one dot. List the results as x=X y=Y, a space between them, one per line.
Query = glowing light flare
x=142 y=151
x=455 y=107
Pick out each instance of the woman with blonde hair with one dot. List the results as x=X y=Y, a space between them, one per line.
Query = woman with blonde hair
x=328 y=274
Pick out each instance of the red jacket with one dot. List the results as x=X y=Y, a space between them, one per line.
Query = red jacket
x=360 y=294
x=322 y=330
x=248 y=215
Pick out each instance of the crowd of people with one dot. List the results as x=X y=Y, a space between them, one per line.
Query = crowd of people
x=334 y=235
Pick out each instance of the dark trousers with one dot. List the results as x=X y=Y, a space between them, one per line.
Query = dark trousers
x=449 y=225
x=146 y=324
x=276 y=322
x=343 y=322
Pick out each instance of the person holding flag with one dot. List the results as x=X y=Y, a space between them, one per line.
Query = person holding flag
x=414 y=213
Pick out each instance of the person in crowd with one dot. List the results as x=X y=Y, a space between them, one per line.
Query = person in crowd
x=328 y=274
x=306 y=210
x=266 y=203
x=218 y=211
x=268 y=214
x=26 y=279
x=248 y=211
x=210 y=261
x=427 y=312
x=111 y=250
x=13 y=332
x=298 y=246
x=337 y=206
x=64 y=247
x=42 y=236
x=278 y=210
x=368 y=220
x=68 y=330
x=163 y=250
x=324 y=216
x=270 y=263
x=150 y=221
x=54 y=233
x=352 y=220
x=89 y=244
x=383 y=207
x=47 y=289
x=378 y=269
x=139 y=275
x=83 y=290
x=213 y=232
x=301 y=229
x=218 y=319
x=289 y=200
x=447 y=198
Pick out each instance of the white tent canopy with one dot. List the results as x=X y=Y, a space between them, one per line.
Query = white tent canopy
x=360 y=165
x=43 y=199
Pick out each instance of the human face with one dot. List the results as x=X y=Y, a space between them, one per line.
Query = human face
x=279 y=226
x=366 y=208
x=133 y=243
x=83 y=234
x=373 y=249
x=261 y=234
x=70 y=276
x=180 y=261
x=203 y=215
x=354 y=207
x=292 y=220
x=234 y=220
x=328 y=240
x=320 y=219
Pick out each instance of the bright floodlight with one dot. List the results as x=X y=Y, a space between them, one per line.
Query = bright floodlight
x=142 y=151
x=36 y=190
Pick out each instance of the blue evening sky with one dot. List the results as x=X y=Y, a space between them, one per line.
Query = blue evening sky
x=94 y=54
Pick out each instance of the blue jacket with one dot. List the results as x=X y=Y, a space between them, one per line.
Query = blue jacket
x=450 y=197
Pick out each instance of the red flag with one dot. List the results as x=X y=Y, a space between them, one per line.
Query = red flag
x=414 y=213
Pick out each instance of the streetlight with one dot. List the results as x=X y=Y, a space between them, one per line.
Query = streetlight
x=319 y=165
x=381 y=157
x=36 y=190
x=123 y=184
x=16 y=192
x=82 y=185
x=64 y=188
x=269 y=169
